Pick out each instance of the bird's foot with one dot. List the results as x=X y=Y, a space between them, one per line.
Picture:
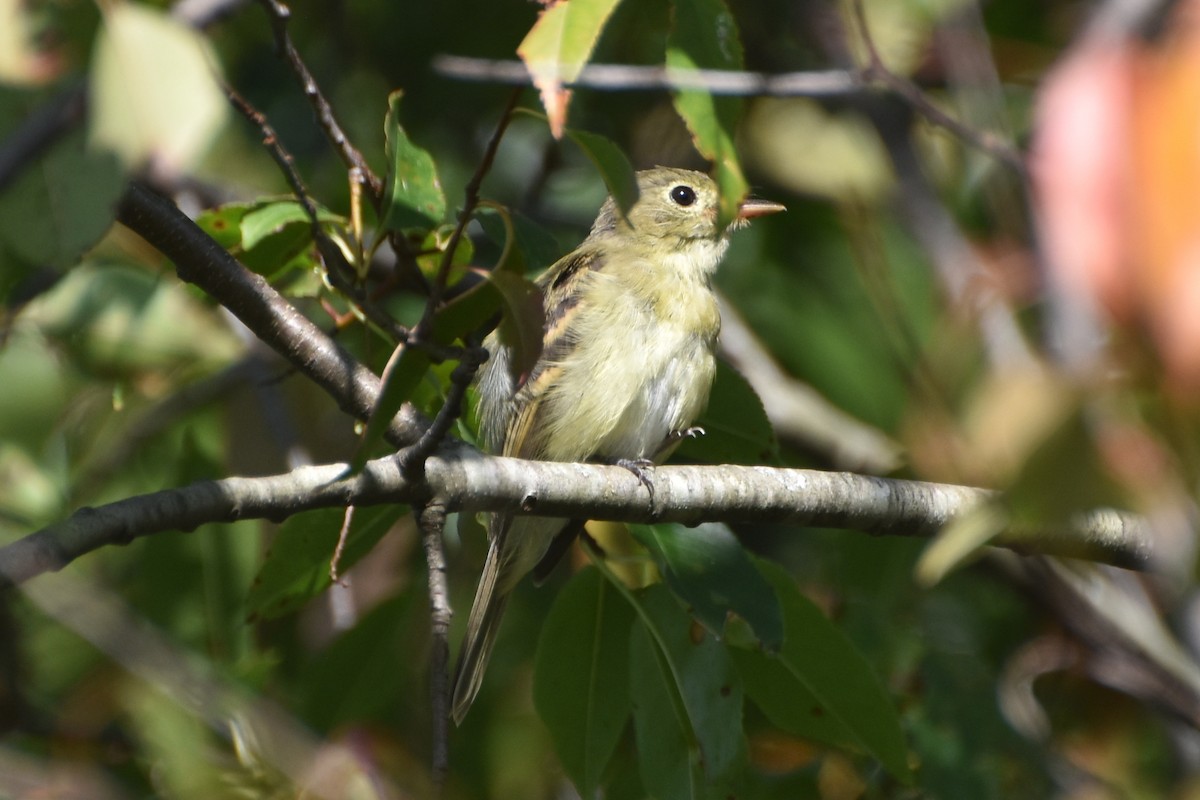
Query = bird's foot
x=640 y=468
x=694 y=432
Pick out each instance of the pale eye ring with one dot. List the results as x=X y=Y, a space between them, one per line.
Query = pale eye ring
x=683 y=195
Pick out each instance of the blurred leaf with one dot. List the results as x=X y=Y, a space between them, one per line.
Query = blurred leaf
x=153 y=95
x=960 y=539
x=178 y=742
x=736 y=427
x=296 y=567
x=413 y=195
x=581 y=676
x=612 y=165
x=558 y=46
x=704 y=35
x=819 y=686
x=533 y=248
x=22 y=60
x=708 y=570
x=361 y=676
x=57 y=207
x=811 y=149
x=687 y=703
x=403 y=372
x=117 y=318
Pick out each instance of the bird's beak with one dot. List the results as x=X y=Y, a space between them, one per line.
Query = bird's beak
x=753 y=207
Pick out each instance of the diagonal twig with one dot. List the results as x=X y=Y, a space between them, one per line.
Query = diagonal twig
x=278 y=15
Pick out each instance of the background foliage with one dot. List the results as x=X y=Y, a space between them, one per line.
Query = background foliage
x=908 y=285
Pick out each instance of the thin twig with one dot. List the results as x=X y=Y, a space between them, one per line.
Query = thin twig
x=412 y=459
x=624 y=77
x=336 y=266
x=340 y=548
x=912 y=94
x=464 y=217
x=432 y=520
x=278 y=15
x=820 y=83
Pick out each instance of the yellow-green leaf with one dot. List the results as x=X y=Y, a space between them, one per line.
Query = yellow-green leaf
x=558 y=46
x=153 y=94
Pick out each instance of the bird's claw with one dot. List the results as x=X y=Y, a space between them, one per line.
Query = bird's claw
x=639 y=467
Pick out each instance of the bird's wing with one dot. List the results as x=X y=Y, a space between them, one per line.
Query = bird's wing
x=562 y=286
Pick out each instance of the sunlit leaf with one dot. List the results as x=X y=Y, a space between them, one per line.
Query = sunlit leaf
x=153 y=94
x=708 y=569
x=581 y=676
x=413 y=196
x=433 y=252
x=273 y=217
x=296 y=567
x=819 y=686
x=558 y=46
x=704 y=35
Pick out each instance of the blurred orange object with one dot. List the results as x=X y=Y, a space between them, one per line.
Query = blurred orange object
x=1116 y=171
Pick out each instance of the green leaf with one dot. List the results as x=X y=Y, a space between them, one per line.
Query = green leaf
x=270 y=237
x=433 y=251
x=819 y=686
x=224 y=223
x=362 y=674
x=533 y=248
x=296 y=567
x=704 y=35
x=707 y=568
x=413 y=195
x=522 y=325
x=56 y=207
x=612 y=165
x=153 y=93
x=403 y=372
x=558 y=46
x=467 y=312
x=272 y=217
x=581 y=676
x=687 y=703
x=736 y=427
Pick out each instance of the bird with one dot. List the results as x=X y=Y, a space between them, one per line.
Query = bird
x=627 y=363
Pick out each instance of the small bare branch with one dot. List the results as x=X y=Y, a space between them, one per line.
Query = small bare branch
x=432 y=520
x=278 y=15
x=464 y=217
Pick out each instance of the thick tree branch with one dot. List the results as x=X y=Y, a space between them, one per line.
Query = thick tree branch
x=462 y=479
x=201 y=261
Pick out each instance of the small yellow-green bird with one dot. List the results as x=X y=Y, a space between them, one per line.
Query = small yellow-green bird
x=627 y=362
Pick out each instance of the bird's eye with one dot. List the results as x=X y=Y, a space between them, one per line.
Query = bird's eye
x=683 y=195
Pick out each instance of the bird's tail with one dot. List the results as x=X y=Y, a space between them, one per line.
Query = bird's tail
x=486 y=613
